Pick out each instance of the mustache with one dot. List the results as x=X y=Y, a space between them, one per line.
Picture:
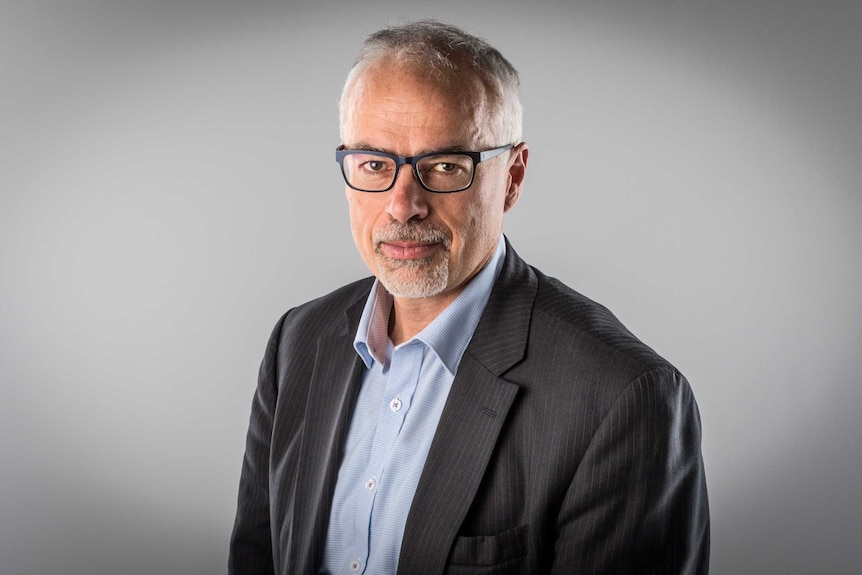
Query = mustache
x=412 y=232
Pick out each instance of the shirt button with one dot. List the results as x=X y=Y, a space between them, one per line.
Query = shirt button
x=370 y=484
x=355 y=565
x=395 y=404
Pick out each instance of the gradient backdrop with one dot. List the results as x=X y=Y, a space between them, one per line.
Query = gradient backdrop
x=168 y=189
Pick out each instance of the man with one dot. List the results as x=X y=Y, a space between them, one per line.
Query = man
x=462 y=412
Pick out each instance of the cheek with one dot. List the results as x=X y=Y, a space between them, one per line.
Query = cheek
x=359 y=211
x=357 y=222
x=482 y=212
x=364 y=214
x=482 y=220
x=466 y=223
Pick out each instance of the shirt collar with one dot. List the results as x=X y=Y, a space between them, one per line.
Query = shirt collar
x=447 y=335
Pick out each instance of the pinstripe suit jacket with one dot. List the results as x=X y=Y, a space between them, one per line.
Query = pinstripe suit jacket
x=566 y=445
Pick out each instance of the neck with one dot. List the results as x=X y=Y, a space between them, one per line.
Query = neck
x=409 y=316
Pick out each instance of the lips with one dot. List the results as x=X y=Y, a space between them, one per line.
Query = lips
x=404 y=250
x=406 y=242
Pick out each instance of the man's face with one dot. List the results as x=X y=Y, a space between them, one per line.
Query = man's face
x=418 y=243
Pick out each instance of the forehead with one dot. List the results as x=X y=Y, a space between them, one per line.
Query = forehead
x=394 y=106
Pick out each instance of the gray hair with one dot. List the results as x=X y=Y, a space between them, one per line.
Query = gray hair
x=443 y=50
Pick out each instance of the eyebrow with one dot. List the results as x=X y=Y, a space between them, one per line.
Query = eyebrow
x=365 y=147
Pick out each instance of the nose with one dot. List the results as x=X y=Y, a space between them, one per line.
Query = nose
x=408 y=200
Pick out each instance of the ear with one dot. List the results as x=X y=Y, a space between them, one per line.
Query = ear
x=517 y=171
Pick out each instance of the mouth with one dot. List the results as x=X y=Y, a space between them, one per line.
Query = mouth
x=407 y=250
x=410 y=243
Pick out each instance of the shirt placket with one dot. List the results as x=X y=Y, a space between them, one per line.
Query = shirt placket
x=404 y=370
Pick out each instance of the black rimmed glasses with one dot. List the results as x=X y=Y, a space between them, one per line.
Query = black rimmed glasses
x=440 y=172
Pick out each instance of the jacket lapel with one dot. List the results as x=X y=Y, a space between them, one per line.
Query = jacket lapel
x=471 y=422
x=332 y=394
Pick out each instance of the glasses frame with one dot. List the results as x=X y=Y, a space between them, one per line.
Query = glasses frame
x=477 y=157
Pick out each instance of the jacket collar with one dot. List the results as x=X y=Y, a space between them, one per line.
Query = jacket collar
x=500 y=339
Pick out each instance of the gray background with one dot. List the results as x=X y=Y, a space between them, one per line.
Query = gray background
x=167 y=189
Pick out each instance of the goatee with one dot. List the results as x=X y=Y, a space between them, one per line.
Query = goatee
x=413 y=278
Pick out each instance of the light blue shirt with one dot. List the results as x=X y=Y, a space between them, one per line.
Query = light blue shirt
x=403 y=392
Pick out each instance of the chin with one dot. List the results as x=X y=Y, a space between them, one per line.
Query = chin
x=414 y=281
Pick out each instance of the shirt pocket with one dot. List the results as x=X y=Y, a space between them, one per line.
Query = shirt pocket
x=487 y=550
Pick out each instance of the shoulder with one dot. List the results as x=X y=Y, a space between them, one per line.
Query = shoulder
x=581 y=359
x=585 y=331
x=330 y=314
x=297 y=333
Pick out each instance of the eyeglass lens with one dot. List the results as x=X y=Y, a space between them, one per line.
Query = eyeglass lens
x=441 y=173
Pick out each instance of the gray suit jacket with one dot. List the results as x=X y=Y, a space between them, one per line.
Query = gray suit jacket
x=566 y=445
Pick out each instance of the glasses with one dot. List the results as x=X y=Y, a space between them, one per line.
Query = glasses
x=440 y=172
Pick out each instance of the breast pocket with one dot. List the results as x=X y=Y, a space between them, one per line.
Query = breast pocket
x=489 y=551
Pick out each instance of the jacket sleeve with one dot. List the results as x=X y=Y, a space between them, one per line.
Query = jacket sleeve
x=638 y=501
x=251 y=541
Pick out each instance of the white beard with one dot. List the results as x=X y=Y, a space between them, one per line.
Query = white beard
x=414 y=278
x=418 y=278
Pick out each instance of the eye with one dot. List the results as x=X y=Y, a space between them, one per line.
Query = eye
x=373 y=165
x=444 y=167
